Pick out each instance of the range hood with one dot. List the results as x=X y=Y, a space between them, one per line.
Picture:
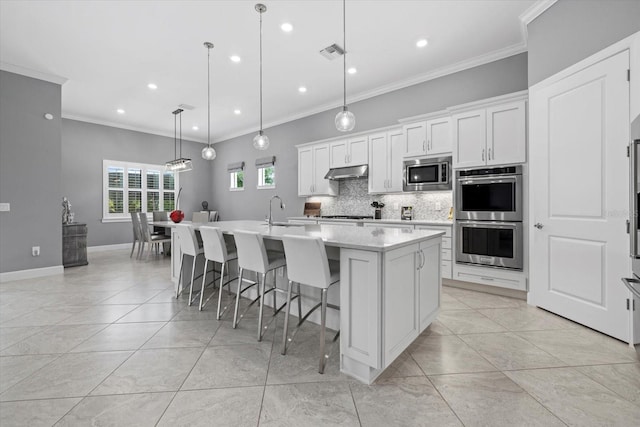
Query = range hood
x=348 y=172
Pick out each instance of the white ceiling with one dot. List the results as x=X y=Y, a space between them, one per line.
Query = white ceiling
x=110 y=50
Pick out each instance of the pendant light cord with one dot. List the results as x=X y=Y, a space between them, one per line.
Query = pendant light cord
x=208 y=97
x=175 y=136
x=180 y=133
x=260 y=72
x=344 y=43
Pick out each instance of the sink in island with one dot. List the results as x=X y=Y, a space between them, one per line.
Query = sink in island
x=389 y=289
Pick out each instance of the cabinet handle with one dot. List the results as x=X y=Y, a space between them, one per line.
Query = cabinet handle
x=424 y=143
x=483 y=154
x=424 y=258
x=489 y=155
x=429 y=147
x=419 y=262
x=489 y=279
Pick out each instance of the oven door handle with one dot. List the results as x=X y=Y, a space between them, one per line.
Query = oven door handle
x=488 y=180
x=489 y=224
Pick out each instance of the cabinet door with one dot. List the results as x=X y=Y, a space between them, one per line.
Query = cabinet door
x=339 y=154
x=416 y=139
x=394 y=179
x=305 y=171
x=506 y=134
x=378 y=163
x=469 y=138
x=429 y=283
x=401 y=320
x=322 y=186
x=439 y=136
x=358 y=151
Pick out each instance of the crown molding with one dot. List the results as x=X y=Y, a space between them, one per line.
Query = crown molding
x=440 y=72
x=16 y=69
x=537 y=9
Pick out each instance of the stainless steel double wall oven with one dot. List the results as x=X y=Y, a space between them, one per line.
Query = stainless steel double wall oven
x=489 y=217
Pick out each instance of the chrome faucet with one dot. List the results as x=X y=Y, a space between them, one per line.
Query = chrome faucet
x=281 y=207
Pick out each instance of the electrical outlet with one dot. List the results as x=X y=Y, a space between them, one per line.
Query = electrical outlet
x=438 y=206
x=35 y=251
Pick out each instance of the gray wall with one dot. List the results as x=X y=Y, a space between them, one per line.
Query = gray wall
x=85 y=145
x=497 y=78
x=30 y=175
x=572 y=30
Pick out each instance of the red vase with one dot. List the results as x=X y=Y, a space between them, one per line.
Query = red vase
x=176 y=216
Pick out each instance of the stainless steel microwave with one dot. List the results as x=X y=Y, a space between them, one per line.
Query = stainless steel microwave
x=427 y=174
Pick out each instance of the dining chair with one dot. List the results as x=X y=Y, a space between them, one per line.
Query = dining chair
x=153 y=240
x=137 y=234
x=213 y=216
x=253 y=256
x=308 y=264
x=200 y=217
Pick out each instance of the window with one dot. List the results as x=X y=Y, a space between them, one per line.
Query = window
x=236 y=180
x=135 y=187
x=266 y=172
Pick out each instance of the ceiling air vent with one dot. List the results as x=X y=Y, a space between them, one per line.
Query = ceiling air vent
x=332 y=52
x=186 y=107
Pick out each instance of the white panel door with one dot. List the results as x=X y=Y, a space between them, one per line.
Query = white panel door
x=416 y=139
x=469 y=139
x=579 y=187
x=395 y=140
x=439 y=136
x=378 y=163
x=506 y=134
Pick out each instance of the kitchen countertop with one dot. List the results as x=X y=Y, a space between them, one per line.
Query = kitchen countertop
x=364 y=238
x=379 y=221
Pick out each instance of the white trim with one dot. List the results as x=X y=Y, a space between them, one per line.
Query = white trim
x=423 y=117
x=34 y=74
x=31 y=273
x=484 y=103
x=352 y=135
x=431 y=75
x=536 y=9
x=108 y=220
x=103 y=248
x=239 y=189
x=266 y=187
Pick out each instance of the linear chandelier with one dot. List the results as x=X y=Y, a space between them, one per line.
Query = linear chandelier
x=180 y=164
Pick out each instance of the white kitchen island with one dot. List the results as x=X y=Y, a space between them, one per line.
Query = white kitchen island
x=389 y=287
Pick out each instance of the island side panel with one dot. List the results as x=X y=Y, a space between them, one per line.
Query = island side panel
x=430 y=287
x=360 y=313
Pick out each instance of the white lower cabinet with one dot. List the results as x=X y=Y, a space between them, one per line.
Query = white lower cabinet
x=411 y=295
x=447 y=248
x=501 y=278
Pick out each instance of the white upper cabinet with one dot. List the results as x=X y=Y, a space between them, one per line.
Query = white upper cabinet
x=494 y=135
x=313 y=164
x=349 y=152
x=385 y=161
x=426 y=138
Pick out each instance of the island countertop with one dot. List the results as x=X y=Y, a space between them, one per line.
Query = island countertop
x=363 y=238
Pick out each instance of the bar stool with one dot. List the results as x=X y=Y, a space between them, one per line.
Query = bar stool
x=307 y=264
x=216 y=250
x=189 y=246
x=253 y=256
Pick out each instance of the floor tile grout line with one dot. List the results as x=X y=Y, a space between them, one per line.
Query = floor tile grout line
x=355 y=406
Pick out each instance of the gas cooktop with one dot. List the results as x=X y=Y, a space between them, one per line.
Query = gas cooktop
x=347 y=216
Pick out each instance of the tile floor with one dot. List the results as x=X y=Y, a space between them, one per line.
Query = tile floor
x=108 y=344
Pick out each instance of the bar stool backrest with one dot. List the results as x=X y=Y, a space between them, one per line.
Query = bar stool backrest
x=188 y=240
x=307 y=261
x=252 y=254
x=215 y=248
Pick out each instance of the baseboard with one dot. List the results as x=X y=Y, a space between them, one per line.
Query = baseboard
x=103 y=248
x=478 y=287
x=31 y=273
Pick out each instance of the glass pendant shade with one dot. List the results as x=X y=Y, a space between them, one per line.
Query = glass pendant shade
x=345 y=120
x=208 y=153
x=261 y=141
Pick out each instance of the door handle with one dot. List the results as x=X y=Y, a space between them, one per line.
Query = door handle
x=538 y=226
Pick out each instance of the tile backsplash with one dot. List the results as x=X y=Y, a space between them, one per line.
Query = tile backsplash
x=354 y=199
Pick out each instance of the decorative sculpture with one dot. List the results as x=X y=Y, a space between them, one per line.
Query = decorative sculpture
x=67 y=215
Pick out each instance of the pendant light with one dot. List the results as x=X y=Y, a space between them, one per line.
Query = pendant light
x=261 y=141
x=180 y=164
x=208 y=153
x=345 y=120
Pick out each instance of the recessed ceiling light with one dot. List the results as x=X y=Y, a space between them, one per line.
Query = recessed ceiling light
x=352 y=70
x=422 y=43
x=195 y=127
x=152 y=86
x=120 y=111
x=237 y=112
x=234 y=58
x=302 y=89
x=286 y=27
